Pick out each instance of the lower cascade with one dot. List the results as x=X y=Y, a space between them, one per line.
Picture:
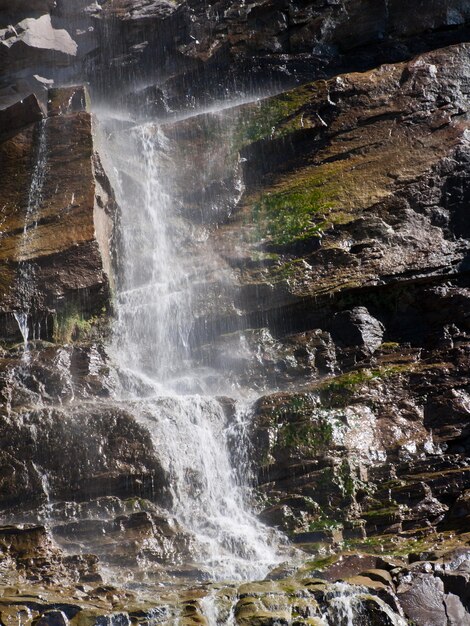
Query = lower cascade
x=234 y=313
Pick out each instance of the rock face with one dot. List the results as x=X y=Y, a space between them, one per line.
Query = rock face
x=338 y=208
x=55 y=216
x=196 y=52
x=360 y=242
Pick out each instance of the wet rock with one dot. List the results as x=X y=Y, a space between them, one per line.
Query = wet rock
x=384 y=158
x=353 y=565
x=257 y=358
x=53 y=374
x=227 y=38
x=22 y=113
x=66 y=100
x=16 y=6
x=55 y=231
x=108 y=454
x=32 y=38
x=458 y=584
x=460 y=512
x=129 y=541
x=365 y=581
x=35 y=557
x=426 y=603
x=131 y=10
x=52 y=618
x=358 y=328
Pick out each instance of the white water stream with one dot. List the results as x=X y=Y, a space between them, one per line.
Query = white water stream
x=26 y=278
x=162 y=270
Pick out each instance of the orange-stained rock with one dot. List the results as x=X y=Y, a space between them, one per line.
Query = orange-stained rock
x=52 y=217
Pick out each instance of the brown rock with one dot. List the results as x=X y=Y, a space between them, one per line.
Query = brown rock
x=107 y=453
x=52 y=219
x=365 y=581
x=34 y=41
x=378 y=575
x=20 y=114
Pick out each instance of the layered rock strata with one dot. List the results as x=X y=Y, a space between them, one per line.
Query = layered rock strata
x=56 y=218
x=338 y=209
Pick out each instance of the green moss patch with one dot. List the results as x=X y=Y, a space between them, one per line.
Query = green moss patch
x=72 y=326
x=291 y=215
x=339 y=390
x=308 y=433
x=299 y=425
x=273 y=117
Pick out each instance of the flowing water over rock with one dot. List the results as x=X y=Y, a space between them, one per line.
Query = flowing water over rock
x=310 y=247
x=163 y=265
x=26 y=278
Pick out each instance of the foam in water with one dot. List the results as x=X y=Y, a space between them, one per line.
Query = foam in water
x=159 y=274
x=346 y=606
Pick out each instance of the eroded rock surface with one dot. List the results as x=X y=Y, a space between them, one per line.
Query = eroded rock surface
x=55 y=218
x=339 y=211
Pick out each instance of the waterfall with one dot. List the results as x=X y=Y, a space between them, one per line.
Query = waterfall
x=26 y=269
x=161 y=273
x=154 y=301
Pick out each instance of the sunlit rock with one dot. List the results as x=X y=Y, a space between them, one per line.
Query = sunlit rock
x=54 y=209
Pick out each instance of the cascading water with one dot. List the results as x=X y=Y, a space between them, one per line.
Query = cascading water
x=159 y=274
x=154 y=302
x=26 y=268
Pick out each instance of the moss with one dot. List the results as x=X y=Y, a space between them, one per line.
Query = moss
x=288 y=407
x=286 y=271
x=72 y=326
x=298 y=425
x=272 y=117
x=351 y=380
x=339 y=389
x=311 y=434
x=137 y=504
x=291 y=214
x=348 y=482
x=319 y=564
x=383 y=511
x=389 y=345
x=325 y=523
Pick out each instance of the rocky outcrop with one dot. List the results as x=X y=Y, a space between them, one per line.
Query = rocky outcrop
x=56 y=227
x=349 y=248
x=334 y=170
x=335 y=204
x=205 y=51
x=29 y=554
x=352 y=250
x=368 y=588
x=338 y=208
x=193 y=53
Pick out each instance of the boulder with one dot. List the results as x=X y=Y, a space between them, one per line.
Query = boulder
x=357 y=328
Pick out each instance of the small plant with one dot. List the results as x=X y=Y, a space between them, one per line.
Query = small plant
x=72 y=326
